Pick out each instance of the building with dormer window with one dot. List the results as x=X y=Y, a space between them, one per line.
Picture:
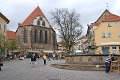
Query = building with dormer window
x=106 y=38
x=108 y=31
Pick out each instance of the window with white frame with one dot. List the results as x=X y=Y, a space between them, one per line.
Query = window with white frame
x=116 y=24
x=109 y=35
x=118 y=34
x=114 y=51
x=103 y=35
x=108 y=25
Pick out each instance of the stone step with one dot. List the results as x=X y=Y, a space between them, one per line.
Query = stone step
x=79 y=67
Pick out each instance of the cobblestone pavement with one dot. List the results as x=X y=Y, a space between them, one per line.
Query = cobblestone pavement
x=21 y=70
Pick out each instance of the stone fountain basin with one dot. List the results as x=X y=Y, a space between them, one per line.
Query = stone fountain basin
x=88 y=59
x=94 y=62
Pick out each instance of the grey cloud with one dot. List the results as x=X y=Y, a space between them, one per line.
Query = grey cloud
x=90 y=10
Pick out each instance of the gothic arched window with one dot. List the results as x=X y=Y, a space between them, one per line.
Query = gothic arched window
x=41 y=36
x=43 y=23
x=25 y=35
x=38 y=22
x=45 y=37
x=35 y=36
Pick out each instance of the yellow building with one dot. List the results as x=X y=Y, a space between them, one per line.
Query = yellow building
x=104 y=15
x=90 y=32
x=107 y=35
x=3 y=24
x=3 y=29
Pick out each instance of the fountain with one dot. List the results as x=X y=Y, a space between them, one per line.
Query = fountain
x=90 y=61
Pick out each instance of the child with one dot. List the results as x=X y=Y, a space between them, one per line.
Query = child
x=44 y=58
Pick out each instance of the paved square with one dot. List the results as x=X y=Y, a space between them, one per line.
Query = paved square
x=21 y=70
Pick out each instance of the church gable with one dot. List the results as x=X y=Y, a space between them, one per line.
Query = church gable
x=40 y=21
x=36 y=18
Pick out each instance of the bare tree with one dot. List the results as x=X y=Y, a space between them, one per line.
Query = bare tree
x=68 y=24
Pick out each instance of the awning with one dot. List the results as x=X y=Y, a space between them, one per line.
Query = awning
x=32 y=51
x=16 y=51
x=48 y=51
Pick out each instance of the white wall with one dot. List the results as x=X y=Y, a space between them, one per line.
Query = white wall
x=43 y=19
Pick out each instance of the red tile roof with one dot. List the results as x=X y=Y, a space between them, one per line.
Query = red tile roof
x=11 y=34
x=83 y=37
x=95 y=24
x=102 y=15
x=112 y=17
x=35 y=13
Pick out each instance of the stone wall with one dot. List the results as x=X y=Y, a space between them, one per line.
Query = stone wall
x=88 y=59
x=30 y=45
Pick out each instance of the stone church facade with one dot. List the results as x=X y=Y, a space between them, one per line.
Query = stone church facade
x=35 y=34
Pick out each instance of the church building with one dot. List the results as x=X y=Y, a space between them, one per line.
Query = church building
x=35 y=34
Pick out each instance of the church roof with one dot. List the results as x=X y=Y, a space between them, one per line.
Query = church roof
x=112 y=17
x=35 y=13
x=11 y=34
x=95 y=24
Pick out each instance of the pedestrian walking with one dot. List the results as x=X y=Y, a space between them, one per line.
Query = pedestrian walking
x=107 y=63
x=15 y=57
x=33 y=60
x=53 y=56
x=44 y=58
x=38 y=56
x=49 y=56
x=1 y=63
x=8 y=56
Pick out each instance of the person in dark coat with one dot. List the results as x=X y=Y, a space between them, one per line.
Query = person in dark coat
x=33 y=59
x=49 y=56
x=112 y=59
x=1 y=63
x=8 y=56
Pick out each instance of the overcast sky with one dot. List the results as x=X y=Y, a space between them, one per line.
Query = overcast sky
x=18 y=10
